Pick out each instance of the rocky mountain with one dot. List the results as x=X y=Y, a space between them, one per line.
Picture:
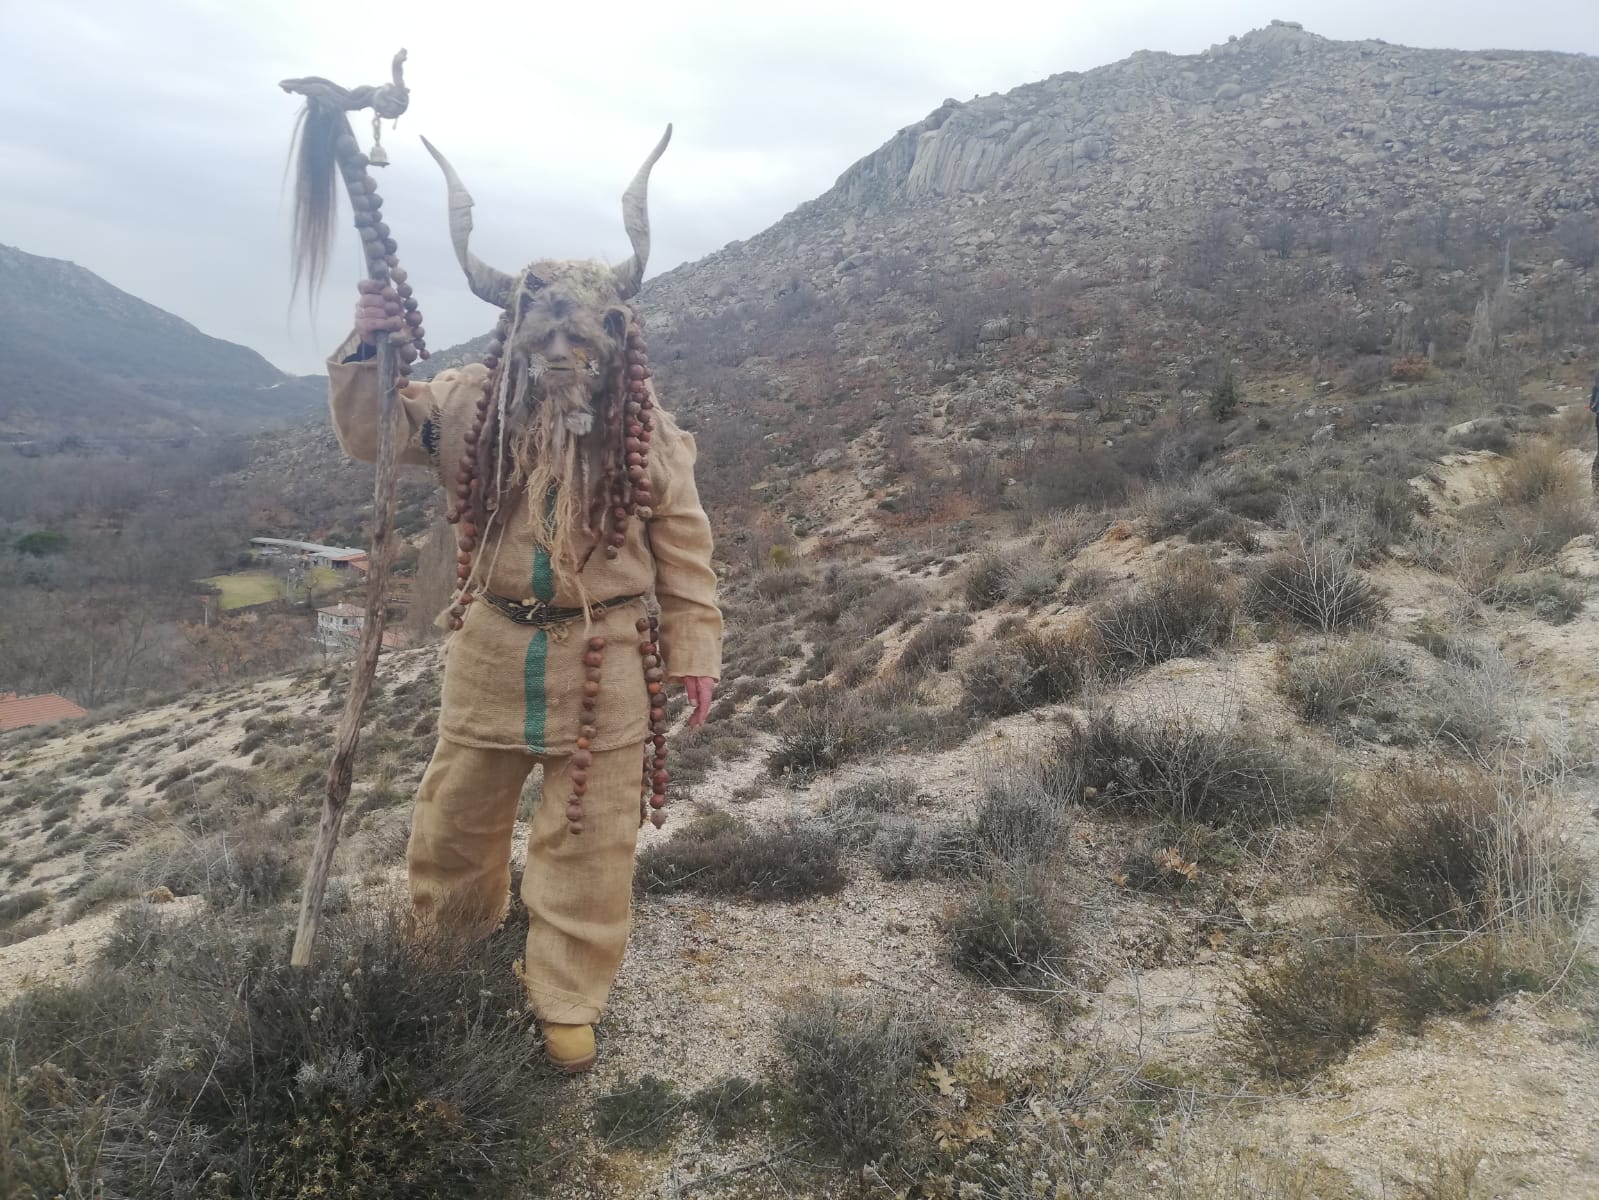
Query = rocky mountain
x=86 y=359
x=1046 y=285
x=1276 y=121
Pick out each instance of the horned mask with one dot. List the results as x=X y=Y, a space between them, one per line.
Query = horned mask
x=567 y=361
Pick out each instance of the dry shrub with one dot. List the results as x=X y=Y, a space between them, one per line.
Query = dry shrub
x=253 y=866
x=1462 y=851
x=14 y=908
x=1542 y=500
x=1031 y=580
x=932 y=647
x=910 y=848
x=1317 y=586
x=782 y=582
x=391 y=1067
x=1537 y=470
x=821 y=728
x=983 y=581
x=1021 y=819
x=1251 y=493
x=1338 y=679
x=850 y=1067
x=1185 y=771
x=1014 y=931
x=1027 y=671
x=730 y=1105
x=1184 y=608
x=1226 y=529
x=1308 y=1008
x=1550 y=597
x=1480 y=707
x=1169 y=508
x=855 y=813
x=1084 y=585
x=644 y=1114
x=719 y=855
x=1069 y=530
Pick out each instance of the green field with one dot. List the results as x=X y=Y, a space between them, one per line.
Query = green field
x=244 y=588
x=241 y=589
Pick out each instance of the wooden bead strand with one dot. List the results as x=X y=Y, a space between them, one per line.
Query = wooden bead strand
x=583 y=756
x=655 y=776
x=471 y=508
x=382 y=256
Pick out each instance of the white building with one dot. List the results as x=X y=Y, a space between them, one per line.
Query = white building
x=339 y=623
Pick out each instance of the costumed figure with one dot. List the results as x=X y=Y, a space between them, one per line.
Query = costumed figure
x=584 y=588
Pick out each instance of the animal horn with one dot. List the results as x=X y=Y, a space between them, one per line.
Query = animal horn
x=636 y=219
x=487 y=283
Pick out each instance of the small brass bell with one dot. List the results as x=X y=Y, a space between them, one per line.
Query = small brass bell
x=377 y=156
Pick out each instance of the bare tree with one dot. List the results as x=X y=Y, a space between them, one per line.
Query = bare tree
x=1577 y=237
x=1280 y=234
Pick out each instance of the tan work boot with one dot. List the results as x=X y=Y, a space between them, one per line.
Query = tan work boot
x=569 y=1047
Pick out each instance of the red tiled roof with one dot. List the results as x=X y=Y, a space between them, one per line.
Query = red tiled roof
x=18 y=712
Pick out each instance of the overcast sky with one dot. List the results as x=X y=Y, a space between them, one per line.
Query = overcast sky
x=147 y=141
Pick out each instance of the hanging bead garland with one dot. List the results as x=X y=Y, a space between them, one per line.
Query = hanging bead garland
x=471 y=506
x=625 y=493
x=655 y=776
x=583 y=756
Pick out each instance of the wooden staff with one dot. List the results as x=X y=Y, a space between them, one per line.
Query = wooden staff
x=326 y=140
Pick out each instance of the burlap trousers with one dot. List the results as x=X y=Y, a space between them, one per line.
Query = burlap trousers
x=578 y=888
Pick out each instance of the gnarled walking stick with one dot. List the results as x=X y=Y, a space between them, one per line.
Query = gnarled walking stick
x=326 y=141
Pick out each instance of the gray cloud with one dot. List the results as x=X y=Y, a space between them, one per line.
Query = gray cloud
x=148 y=142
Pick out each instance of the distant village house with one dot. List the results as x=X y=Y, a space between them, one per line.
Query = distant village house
x=19 y=712
x=340 y=625
x=339 y=558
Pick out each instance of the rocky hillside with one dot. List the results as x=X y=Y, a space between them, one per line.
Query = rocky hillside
x=1028 y=300
x=86 y=359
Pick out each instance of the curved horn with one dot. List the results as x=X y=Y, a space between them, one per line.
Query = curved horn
x=487 y=283
x=636 y=219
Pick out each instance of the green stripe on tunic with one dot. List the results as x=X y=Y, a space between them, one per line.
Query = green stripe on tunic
x=534 y=692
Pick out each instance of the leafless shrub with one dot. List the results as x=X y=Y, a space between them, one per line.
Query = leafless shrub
x=1310 y=1007
x=912 y=848
x=1164 y=509
x=393 y=1066
x=1315 y=585
x=1186 y=768
x=1550 y=597
x=779 y=582
x=1184 y=608
x=1084 y=585
x=1465 y=850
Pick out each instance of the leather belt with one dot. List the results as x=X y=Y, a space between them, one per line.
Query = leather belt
x=541 y=616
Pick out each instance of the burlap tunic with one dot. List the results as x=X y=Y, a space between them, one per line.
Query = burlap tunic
x=509 y=686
